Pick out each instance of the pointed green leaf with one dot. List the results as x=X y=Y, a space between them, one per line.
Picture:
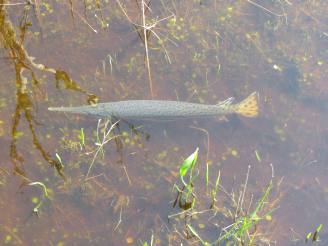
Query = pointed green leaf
x=309 y=235
x=188 y=163
x=319 y=228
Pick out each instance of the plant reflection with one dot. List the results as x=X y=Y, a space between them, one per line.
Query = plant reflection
x=22 y=62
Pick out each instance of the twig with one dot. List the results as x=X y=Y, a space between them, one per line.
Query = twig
x=265 y=9
x=240 y=206
x=84 y=20
x=101 y=145
x=120 y=220
x=143 y=4
x=12 y=4
x=147 y=28
x=127 y=175
x=207 y=140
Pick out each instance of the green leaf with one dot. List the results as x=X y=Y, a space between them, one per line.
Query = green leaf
x=258 y=157
x=81 y=138
x=309 y=235
x=319 y=228
x=189 y=163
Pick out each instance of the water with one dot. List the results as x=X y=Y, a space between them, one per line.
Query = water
x=208 y=51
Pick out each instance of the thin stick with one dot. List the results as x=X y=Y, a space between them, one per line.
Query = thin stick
x=245 y=186
x=207 y=140
x=12 y=4
x=240 y=206
x=127 y=175
x=120 y=219
x=147 y=28
x=143 y=4
x=84 y=20
x=101 y=145
x=265 y=9
x=207 y=152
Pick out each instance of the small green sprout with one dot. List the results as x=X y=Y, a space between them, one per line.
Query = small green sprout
x=315 y=235
x=151 y=241
x=215 y=190
x=207 y=175
x=308 y=236
x=258 y=157
x=81 y=138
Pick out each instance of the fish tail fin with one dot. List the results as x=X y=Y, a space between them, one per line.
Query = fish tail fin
x=249 y=106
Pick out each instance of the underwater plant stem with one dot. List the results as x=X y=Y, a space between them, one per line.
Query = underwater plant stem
x=143 y=4
x=101 y=144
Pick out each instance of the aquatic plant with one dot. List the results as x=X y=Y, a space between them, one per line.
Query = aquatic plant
x=45 y=195
x=242 y=230
x=186 y=192
x=102 y=139
x=314 y=237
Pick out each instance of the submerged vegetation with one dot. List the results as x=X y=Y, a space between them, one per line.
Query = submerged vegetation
x=45 y=195
x=243 y=228
x=112 y=183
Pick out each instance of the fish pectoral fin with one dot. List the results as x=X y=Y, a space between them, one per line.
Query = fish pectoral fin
x=249 y=106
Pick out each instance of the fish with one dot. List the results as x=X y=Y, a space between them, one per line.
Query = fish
x=166 y=110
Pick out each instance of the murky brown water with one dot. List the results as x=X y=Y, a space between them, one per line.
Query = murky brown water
x=199 y=51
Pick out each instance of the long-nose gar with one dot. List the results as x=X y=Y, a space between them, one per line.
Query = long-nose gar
x=161 y=110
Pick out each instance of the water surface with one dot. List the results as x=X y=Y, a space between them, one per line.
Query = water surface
x=199 y=51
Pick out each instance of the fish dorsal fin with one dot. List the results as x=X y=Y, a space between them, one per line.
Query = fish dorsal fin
x=226 y=102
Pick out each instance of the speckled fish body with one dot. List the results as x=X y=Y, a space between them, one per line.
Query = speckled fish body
x=156 y=109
